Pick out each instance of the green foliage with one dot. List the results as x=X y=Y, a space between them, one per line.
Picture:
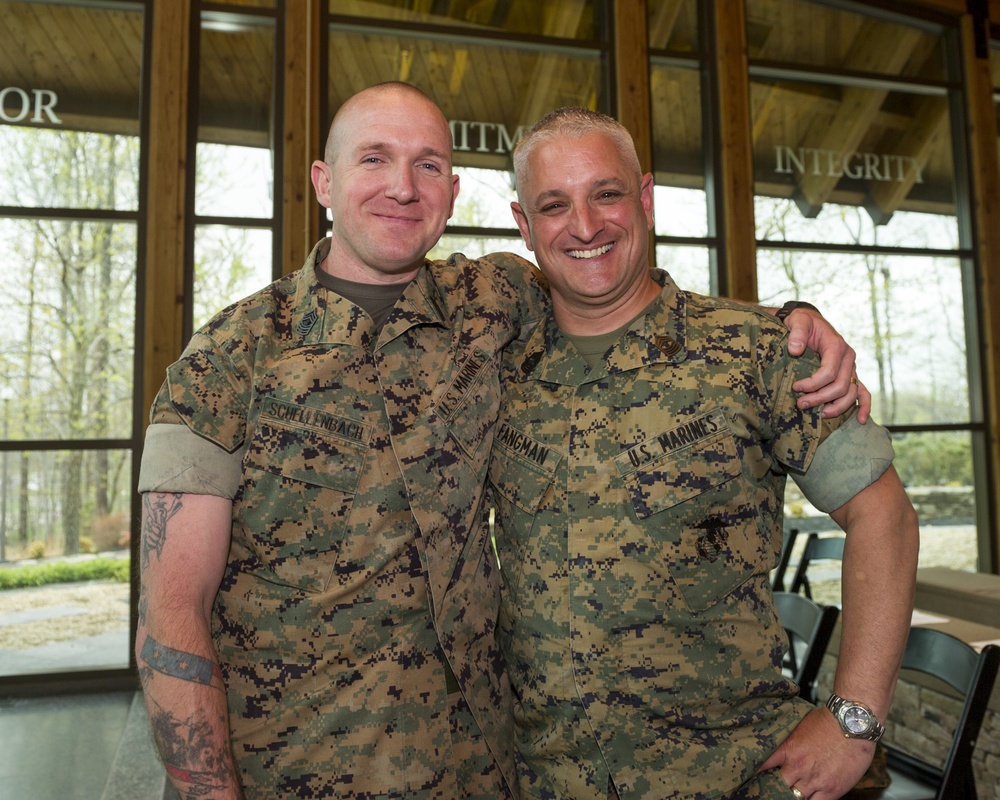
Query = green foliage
x=943 y=459
x=795 y=510
x=113 y=569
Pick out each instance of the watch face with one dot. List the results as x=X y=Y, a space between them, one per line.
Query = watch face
x=857 y=720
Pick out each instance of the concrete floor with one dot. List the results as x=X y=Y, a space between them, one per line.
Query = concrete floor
x=78 y=747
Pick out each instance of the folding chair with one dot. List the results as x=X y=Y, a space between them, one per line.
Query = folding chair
x=787 y=543
x=972 y=675
x=809 y=627
x=825 y=548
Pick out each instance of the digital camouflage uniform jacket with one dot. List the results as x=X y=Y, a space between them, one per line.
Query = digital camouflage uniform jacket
x=360 y=554
x=639 y=512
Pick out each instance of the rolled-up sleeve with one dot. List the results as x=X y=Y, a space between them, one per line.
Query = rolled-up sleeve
x=850 y=459
x=175 y=459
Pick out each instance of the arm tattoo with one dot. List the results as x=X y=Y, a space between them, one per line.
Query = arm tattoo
x=159 y=509
x=192 y=753
x=178 y=664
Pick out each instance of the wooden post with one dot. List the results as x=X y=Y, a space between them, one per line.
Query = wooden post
x=303 y=140
x=165 y=198
x=734 y=157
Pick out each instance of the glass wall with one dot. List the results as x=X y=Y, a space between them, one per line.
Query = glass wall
x=857 y=210
x=69 y=206
x=860 y=207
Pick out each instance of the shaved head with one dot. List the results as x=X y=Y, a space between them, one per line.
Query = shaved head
x=341 y=120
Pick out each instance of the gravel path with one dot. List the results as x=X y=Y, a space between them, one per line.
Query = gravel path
x=60 y=612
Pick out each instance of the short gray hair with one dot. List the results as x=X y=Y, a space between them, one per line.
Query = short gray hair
x=572 y=121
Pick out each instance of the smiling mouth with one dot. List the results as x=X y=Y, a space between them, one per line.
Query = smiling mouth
x=597 y=251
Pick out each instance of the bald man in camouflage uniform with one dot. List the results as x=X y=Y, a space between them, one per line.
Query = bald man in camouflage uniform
x=320 y=450
x=639 y=471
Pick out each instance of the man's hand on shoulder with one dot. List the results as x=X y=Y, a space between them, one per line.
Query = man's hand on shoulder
x=835 y=384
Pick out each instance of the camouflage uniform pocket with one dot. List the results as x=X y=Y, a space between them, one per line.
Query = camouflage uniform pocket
x=521 y=474
x=517 y=479
x=298 y=490
x=471 y=404
x=691 y=499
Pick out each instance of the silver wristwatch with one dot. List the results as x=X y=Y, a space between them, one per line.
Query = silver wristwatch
x=857 y=720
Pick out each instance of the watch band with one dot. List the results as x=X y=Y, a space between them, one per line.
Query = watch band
x=790 y=306
x=856 y=720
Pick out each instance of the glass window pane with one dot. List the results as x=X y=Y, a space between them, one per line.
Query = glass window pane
x=246 y=3
x=937 y=470
x=484 y=198
x=885 y=152
x=67 y=358
x=673 y=25
x=69 y=93
x=680 y=201
x=581 y=19
x=229 y=264
x=68 y=169
x=818 y=34
x=235 y=116
x=780 y=220
x=486 y=92
x=65 y=529
x=234 y=181
x=679 y=212
x=688 y=266
x=902 y=314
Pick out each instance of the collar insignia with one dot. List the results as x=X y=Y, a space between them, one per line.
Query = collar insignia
x=306 y=323
x=666 y=345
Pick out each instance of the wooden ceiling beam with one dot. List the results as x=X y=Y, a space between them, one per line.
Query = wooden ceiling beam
x=929 y=123
x=857 y=111
x=549 y=70
x=661 y=25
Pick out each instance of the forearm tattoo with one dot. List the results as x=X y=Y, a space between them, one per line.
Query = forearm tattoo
x=178 y=664
x=193 y=754
x=158 y=508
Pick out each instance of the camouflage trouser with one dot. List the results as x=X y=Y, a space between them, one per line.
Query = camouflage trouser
x=768 y=786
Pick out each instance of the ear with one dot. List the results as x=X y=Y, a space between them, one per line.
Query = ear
x=646 y=198
x=522 y=223
x=454 y=194
x=321 y=180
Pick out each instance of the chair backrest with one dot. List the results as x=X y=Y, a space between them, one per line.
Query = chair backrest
x=787 y=543
x=972 y=675
x=825 y=548
x=809 y=627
